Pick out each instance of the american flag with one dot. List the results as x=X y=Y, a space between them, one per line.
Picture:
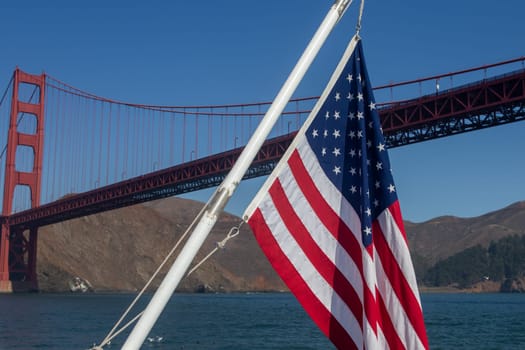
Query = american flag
x=329 y=221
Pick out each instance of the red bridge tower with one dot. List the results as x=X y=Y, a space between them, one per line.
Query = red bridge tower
x=18 y=244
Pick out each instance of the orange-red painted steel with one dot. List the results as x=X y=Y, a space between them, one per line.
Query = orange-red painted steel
x=479 y=105
x=18 y=253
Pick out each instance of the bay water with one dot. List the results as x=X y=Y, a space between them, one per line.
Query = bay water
x=243 y=321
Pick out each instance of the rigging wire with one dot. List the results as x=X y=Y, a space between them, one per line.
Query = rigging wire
x=234 y=232
x=111 y=333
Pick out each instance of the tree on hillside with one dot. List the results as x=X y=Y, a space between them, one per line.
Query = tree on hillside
x=503 y=260
x=507 y=257
x=464 y=269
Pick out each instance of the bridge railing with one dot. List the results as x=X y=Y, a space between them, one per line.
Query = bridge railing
x=398 y=92
x=92 y=141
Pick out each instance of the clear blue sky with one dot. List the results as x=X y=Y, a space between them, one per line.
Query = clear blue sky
x=218 y=52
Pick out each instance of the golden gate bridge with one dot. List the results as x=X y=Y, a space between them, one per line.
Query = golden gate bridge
x=68 y=153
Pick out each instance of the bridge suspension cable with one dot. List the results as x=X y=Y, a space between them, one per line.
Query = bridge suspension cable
x=93 y=141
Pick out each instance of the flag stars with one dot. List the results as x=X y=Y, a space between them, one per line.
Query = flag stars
x=349 y=154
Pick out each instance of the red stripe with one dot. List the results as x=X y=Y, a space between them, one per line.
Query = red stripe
x=324 y=212
x=401 y=287
x=391 y=336
x=395 y=211
x=337 y=227
x=317 y=257
x=317 y=311
x=371 y=311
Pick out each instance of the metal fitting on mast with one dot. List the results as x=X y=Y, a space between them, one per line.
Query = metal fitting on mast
x=341 y=6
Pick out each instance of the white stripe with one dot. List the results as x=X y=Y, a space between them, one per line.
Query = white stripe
x=399 y=248
x=334 y=198
x=332 y=195
x=369 y=272
x=381 y=340
x=340 y=205
x=322 y=237
x=398 y=316
x=319 y=287
x=397 y=313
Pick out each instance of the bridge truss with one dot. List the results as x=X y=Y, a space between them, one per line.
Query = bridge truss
x=485 y=103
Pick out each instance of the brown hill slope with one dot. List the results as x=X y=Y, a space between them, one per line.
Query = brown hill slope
x=442 y=237
x=120 y=249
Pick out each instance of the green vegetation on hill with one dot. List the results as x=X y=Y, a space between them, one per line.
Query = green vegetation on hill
x=502 y=260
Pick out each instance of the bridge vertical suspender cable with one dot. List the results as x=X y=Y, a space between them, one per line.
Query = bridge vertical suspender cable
x=225 y=191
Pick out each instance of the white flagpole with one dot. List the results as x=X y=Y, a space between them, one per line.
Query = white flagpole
x=229 y=184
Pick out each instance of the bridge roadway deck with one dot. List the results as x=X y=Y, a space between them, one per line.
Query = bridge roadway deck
x=480 y=105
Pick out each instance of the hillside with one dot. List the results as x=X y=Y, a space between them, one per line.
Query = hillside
x=442 y=237
x=120 y=249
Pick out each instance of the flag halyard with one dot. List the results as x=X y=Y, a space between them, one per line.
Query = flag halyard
x=328 y=219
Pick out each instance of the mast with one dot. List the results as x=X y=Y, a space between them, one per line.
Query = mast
x=221 y=197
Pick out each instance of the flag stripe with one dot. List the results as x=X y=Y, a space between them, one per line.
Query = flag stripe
x=332 y=198
x=326 y=214
x=330 y=194
x=321 y=262
x=398 y=247
x=316 y=307
x=304 y=267
x=396 y=313
x=318 y=231
x=337 y=225
x=329 y=220
x=391 y=336
x=402 y=289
